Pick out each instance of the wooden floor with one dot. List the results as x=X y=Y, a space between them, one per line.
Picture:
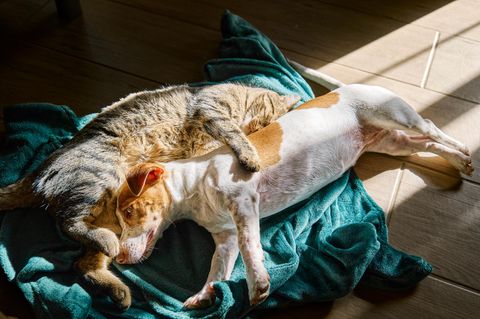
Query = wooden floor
x=121 y=46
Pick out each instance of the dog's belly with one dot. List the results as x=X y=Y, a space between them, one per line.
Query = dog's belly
x=310 y=159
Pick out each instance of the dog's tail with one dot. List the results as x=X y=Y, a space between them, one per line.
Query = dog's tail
x=316 y=76
x=18 y=195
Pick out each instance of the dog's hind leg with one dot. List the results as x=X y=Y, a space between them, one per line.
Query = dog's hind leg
x=395 y=113
x=398 y=143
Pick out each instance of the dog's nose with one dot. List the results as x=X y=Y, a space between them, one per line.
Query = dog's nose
x=122 y=257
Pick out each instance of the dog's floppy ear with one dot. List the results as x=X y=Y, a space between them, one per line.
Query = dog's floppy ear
x=143 y=176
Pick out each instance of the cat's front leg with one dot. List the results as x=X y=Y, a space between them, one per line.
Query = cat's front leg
x=245 y=213
x=93 y=266
x=92 y=236
x=230 y=133
x=223 y=260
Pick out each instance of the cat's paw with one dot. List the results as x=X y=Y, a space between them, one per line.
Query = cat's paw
x=107 y=242
x=120 y=295
x=250 y=162
x=202 y=299
x=104 y=281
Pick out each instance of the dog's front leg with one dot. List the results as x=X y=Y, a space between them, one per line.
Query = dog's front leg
x=223 y=260
x=245 y=213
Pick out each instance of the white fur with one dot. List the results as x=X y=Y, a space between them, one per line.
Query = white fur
x=318 y=146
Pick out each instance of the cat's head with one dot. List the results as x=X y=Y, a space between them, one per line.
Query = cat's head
x=143 y=204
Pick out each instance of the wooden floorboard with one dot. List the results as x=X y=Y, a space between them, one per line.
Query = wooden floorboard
x=379 y=174
x=122 y=46
x=377 y=44
x=433 y=298
x=29 y=73
x=441 y=15
x=161 y=49
x=440 y=225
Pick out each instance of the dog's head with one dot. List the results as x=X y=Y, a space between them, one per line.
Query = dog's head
x=143 y=203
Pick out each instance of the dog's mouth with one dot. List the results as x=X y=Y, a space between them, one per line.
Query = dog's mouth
x=136 y=250
x=149 y=244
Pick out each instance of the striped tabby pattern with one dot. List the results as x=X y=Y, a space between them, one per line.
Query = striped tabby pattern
x=77 y=182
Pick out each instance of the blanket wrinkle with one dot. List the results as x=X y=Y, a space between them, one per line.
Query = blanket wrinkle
x=317 y=250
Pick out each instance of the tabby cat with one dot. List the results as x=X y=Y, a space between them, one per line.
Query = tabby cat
x=77 y=182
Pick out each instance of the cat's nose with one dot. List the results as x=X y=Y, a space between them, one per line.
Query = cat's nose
x=122 y=257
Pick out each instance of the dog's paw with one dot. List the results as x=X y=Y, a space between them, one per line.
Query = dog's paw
x=107 y=242
x=468 y=168
x=120 y=295
x=463 y=163
x=202 y=299
x=259 y=288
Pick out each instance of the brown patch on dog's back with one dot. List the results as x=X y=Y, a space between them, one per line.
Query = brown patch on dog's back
x=267 y=141
x=323 y=101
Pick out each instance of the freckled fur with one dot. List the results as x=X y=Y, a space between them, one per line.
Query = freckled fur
x=317 y=146
x=76 y=183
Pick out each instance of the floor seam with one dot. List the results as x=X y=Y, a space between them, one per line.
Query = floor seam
x=409 y=162
x=455 y=284
x=431 y=55
x=326 y=62
x=393 y=196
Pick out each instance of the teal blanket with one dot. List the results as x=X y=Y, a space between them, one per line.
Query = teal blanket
x=318 y=250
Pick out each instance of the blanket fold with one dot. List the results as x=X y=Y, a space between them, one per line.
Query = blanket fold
x=318 y=250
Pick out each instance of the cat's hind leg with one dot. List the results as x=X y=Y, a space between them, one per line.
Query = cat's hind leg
x=93 y=266
x=18 y=195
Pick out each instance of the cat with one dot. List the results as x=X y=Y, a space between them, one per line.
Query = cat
x=77 y=182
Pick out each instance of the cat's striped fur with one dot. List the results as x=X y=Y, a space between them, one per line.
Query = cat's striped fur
x=76 y=183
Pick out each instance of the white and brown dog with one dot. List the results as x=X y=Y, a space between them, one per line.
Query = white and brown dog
x=300 y=153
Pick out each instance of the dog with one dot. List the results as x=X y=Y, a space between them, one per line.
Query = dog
x=300 y=153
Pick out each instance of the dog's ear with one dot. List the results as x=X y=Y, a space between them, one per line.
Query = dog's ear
x=143 y=176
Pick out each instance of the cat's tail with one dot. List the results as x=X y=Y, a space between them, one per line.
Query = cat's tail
x=18 y=195
x=316 y=76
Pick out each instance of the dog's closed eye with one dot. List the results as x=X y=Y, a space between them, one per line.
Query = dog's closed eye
x=128 y=213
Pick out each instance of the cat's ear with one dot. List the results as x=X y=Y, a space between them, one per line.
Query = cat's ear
x=143 y=176
x=290 y=100
x=283 y=103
